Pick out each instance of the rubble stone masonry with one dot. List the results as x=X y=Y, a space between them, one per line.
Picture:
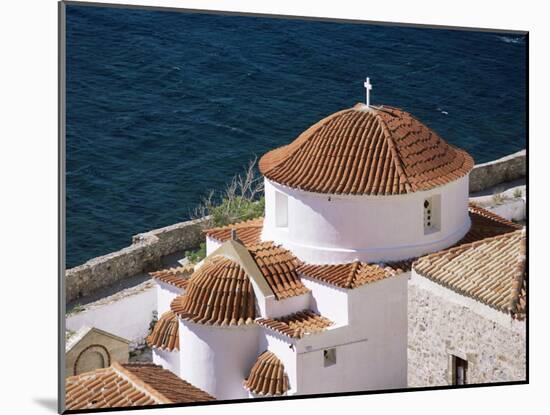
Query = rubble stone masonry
x=143 y=255
x=440 y=327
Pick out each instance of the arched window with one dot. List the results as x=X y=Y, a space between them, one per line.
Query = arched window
x=92 y=357
x=432 y=214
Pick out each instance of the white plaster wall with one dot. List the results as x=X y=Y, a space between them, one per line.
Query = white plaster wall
x=371 y=352
x=128 y=317
x=351 y=372
x=218 y=359
x=380 y=308
x=368 y=228
x=168 y=360
x=328 y=300
x=165 y=294
x=278 y=308
x=211 y=245
x=511 y=210
x=281 y=346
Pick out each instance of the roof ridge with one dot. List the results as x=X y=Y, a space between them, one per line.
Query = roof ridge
x=140 y=384
x=398 y=163
x=519 y=279
x=352 y=273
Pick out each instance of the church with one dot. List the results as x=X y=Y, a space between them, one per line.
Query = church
x=370 y=270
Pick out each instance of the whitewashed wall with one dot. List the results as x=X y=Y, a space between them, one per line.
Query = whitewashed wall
x=128 y=317
x=328 y=300
x=211 y=245
x=368 y=228
x=165 y=294
x=281 y=346
x=217 y=359
x=371 y=352
x=168 y=360
x=380 y=308
x=278 y=308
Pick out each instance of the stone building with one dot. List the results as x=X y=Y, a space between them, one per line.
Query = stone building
x=467 y=314
x=91 y=348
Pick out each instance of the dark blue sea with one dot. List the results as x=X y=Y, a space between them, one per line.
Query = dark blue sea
x=164 y=106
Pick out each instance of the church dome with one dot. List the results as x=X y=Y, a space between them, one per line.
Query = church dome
x=219 y=293
x=376 y=150
x=165 y=334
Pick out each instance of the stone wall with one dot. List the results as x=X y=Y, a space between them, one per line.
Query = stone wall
x=439 y=328
x=503 y=170
x=83 y=356
x=143 y=255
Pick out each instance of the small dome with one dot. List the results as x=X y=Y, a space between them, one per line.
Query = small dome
x=165 y=335
x=366 y=151
x=267 y=376
x=219 y=293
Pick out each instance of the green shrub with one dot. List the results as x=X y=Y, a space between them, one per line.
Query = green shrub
x=197 y=255
x=237 y=209
x=241 y=200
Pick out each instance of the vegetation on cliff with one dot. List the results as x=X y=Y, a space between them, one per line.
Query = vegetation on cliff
x=242 y=199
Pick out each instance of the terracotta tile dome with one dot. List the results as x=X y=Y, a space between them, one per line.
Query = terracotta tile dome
x=165 y=335
x=267 y=376
x=366 y=151
x=219 y=293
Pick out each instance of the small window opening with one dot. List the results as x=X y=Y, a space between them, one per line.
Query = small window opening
x=281 y=210
x=329 y=357
x=460 y=371
x=432 y=217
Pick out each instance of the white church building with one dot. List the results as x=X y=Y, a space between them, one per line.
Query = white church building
x=313 y=298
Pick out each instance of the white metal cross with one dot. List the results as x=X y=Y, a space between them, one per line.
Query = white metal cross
x=368 y=87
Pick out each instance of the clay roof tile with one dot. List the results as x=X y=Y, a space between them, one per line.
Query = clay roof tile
x=375 y=151
x=131 y=384
x=165 y=335
x=267 y=376
x=297 y=325
x=490 y=270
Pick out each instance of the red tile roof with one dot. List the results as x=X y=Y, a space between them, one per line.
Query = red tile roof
x=379 y=151
x=248 y=232
x=491 y=270
x=297 y=325
x=486 y=224
x=218 y=293
x=349 y=275
x=177 y=276
x=165 y=335
x=127 y=385
x=279 y=267
x=267 y=376
x=175 y=389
